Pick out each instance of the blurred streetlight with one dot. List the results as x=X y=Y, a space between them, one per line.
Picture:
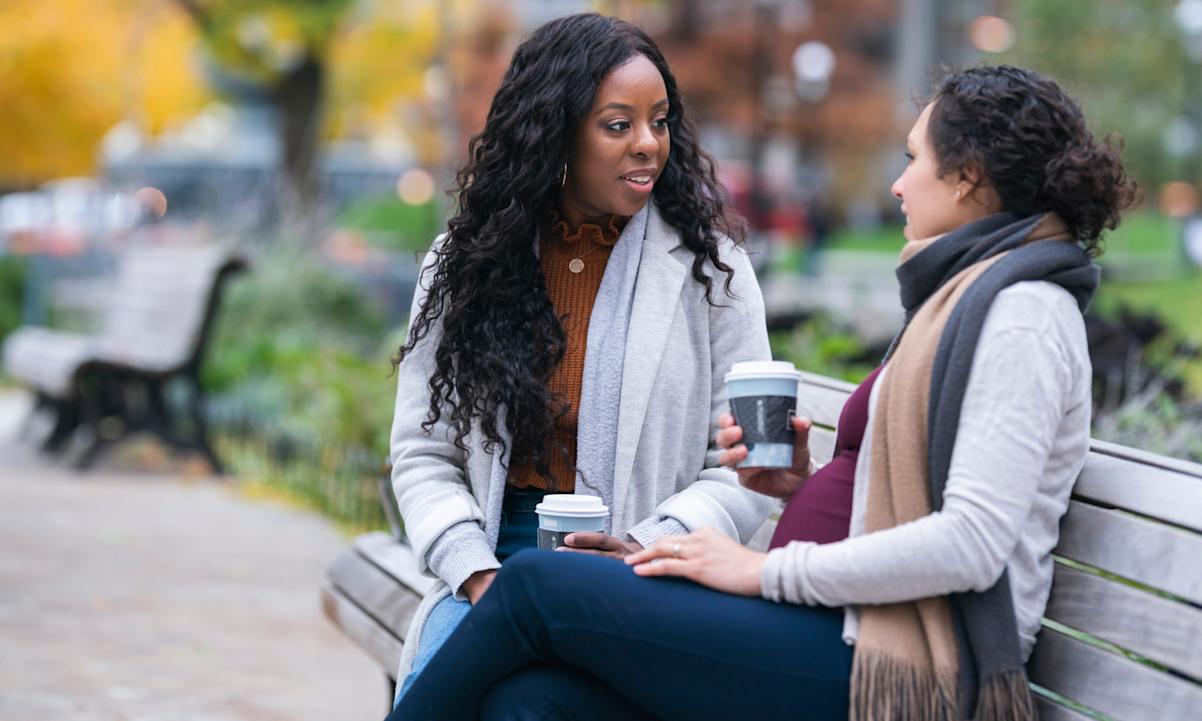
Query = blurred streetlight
x=813 y=65
x=1188 y=14
x=991 y=34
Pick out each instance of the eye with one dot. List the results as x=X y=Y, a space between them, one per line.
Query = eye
x=661 y=123
x=618 y=126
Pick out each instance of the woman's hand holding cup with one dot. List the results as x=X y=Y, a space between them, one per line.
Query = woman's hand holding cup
x=775 y=482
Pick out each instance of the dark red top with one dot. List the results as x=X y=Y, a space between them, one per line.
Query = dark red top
x=821 y=510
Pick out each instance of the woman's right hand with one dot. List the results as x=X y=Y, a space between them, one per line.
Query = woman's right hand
x=775 y=482
x=477 y=583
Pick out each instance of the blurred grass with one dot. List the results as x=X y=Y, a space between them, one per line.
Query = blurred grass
x=392 y=224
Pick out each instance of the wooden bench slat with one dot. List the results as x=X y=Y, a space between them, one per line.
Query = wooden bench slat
x=822 y=445
x=1164 y=631
x=1159 y=556
x=1116 y=686
x=1147 y=458
x=395 y=559
x=390 y=604
x=1147 y=490
x=1048 y=710
x=821 y=399
x=362 y=629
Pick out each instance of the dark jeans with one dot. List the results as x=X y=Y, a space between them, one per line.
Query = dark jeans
x=569 y=636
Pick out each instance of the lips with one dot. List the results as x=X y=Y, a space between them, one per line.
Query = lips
x=640 y=177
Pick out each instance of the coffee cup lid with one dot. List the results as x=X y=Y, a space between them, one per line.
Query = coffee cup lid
x=763 y=369
x=572 y=504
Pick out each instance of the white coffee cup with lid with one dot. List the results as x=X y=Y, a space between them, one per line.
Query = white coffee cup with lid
x=562 y=513
x=763 y=400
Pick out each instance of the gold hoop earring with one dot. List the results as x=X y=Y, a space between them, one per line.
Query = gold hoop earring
x=563 y=177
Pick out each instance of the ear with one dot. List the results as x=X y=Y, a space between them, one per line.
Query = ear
x=969 y=181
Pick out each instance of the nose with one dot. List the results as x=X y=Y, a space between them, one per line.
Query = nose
x=897 y=188
x=644 y=143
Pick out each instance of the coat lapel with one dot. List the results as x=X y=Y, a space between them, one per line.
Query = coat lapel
x=656 y=293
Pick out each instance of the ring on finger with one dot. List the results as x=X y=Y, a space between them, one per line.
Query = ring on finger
x=676 y=550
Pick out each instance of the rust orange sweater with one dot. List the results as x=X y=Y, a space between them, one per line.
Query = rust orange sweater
x=572 y=294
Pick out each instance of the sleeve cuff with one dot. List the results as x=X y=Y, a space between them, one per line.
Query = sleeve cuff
x=783 y=577
x=460 y=551
x=653 y=529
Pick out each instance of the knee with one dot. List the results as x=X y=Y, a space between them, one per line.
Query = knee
x=528 y=567
x=512 y=700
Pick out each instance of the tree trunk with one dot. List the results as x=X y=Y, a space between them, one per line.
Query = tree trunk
x=299 y=99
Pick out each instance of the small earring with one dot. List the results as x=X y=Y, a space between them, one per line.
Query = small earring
x=563 y=177
x=958 y=191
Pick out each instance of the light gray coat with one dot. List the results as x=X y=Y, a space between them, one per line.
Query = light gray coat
x=665 y=480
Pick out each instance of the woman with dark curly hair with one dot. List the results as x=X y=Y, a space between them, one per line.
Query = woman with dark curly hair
x=906 y=577
x=572 y=328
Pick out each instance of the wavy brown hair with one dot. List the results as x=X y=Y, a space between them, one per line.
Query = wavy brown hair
x=1029 y=141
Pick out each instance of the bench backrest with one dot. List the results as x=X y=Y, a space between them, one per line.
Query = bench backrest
x=162 y=305
x=1122 y=634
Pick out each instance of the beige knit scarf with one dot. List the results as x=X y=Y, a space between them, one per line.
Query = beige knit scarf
x=906 y=659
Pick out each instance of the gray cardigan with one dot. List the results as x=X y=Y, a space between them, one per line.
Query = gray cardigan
x=666 y=479
x=1022 y=441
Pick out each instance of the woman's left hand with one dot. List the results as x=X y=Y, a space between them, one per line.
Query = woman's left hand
x=599 y=544
x=706 y=557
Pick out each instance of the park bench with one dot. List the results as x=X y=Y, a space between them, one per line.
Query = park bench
x=153 y=332
x=1122 y=636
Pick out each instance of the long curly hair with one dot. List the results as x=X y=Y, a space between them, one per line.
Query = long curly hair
x=499 y=339
x=1029 y=141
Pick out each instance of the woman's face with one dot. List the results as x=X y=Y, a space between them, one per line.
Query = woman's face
x=934 y=205
x=621 y=147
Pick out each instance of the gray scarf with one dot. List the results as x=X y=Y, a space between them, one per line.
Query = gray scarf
x=605 y=354
x=989 y=678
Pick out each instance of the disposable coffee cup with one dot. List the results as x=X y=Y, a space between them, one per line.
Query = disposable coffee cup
x=562 y=513
x=763 y=400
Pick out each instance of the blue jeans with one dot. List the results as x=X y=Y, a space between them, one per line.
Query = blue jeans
x=613 y=645
x=519 y=529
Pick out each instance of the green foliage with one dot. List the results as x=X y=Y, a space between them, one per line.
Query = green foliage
x=1153 y=420
x=12 y=293
x=301 y=386
x=262 y=39
x=289 y=305
x=392 y=224
x=818 y=345
x=884 y=239
x=1123 y=60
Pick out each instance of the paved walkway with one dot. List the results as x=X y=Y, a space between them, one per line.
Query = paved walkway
x=127 y=595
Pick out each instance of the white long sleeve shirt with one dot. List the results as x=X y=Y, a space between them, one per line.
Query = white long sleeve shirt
x=1021 y=443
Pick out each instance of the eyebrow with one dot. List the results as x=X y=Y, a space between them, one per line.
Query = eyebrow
x=630 y=108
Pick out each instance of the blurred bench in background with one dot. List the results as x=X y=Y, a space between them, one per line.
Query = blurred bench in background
x=153 y=333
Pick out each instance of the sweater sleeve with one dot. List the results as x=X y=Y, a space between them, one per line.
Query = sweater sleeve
x=1013 y=406
x=737 y=332
x=443 y=520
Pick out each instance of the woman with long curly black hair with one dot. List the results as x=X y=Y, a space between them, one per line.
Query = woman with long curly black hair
x=572 y=328
x=906 y=578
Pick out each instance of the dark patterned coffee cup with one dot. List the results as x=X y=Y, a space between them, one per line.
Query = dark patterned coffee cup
x=763 y=400
x=562 y=513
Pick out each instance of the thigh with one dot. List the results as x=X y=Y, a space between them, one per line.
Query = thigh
x=553 y=692
x=678 y=650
